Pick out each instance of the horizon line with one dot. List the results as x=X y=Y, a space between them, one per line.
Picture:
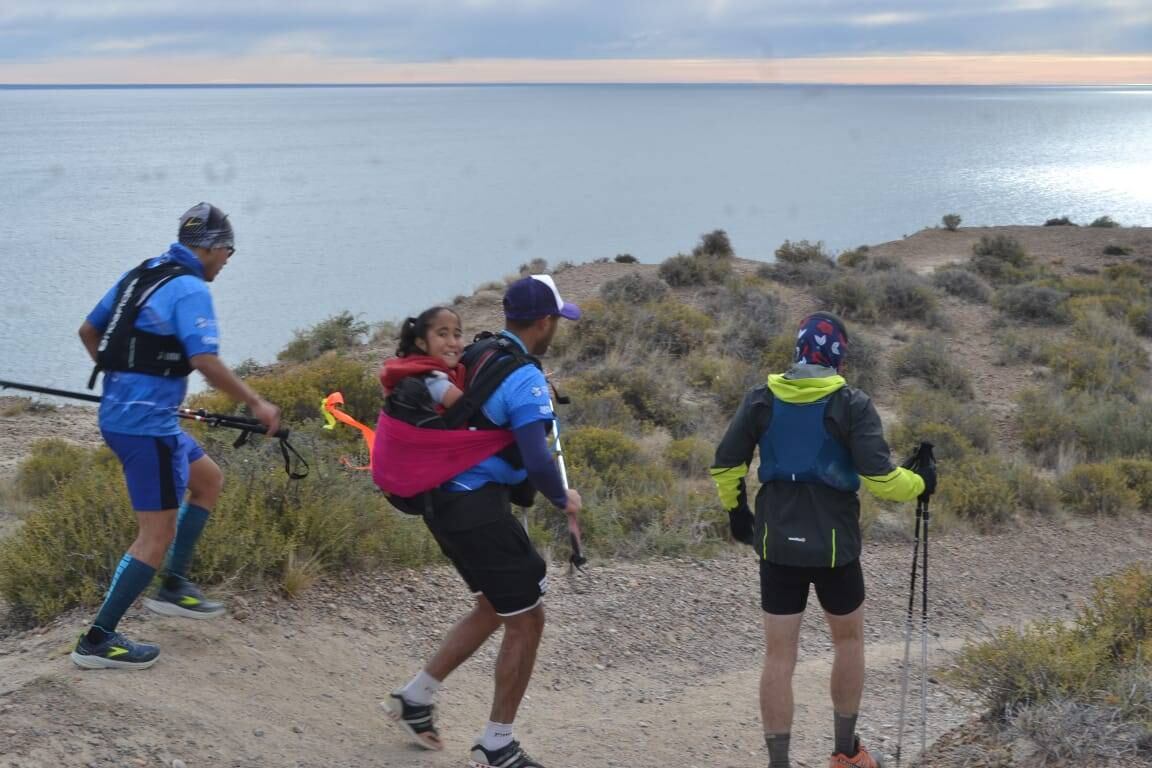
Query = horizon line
x=927 y=69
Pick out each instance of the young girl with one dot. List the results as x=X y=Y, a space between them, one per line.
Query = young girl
x=428 y=354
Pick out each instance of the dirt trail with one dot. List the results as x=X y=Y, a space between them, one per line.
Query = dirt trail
x=643 y=664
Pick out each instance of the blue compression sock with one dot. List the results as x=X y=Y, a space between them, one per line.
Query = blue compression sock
x=189 y=526
x=132 y=578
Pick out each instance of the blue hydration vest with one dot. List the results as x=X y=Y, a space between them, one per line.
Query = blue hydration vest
x=797 y=448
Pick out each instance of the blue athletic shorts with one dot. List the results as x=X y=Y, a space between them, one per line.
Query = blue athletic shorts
x=155 y=468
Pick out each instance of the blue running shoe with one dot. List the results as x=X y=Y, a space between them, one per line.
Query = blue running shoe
x=116 y=652
x=185 y=600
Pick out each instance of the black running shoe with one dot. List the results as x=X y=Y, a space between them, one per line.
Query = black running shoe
x=185 y=600
x=419 y=720
x=116 y=652
x=511 y=756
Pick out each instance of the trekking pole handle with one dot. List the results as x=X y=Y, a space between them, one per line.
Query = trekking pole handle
x=232 y=422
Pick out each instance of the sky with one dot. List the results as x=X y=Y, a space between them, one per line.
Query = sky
x=367 y=41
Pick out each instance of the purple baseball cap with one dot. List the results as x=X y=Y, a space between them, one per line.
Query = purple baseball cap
x=536 y=296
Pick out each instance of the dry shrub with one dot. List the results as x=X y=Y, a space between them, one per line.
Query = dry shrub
x=924 y=358
x=1097 y=489
x=634 y=288
x=959 y=282
x=1034 y=304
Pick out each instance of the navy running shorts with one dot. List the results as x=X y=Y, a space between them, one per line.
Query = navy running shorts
x=155 y=467
x=784 y=588
x=494 y=555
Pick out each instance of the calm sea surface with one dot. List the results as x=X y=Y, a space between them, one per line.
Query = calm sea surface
x=384 y=200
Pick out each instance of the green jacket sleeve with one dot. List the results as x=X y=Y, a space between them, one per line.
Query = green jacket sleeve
x=873 y=458
x=734 y=453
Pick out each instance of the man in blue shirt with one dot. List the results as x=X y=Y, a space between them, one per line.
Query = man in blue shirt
x=147 y=334
x=473 y=523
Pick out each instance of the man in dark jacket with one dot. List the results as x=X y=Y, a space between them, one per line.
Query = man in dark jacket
x=819 y=440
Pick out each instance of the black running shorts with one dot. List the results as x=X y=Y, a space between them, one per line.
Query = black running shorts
x=784 y=588
x=495 y=557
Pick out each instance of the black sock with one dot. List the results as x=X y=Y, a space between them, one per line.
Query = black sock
x=96 y=635
x=845 y=731
x=777 y=749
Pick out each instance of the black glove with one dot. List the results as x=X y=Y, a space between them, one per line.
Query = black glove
x=741 y=523
x=923 y=462
x=928 y=473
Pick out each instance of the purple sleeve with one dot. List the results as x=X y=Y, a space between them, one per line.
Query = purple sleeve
x=532 y=439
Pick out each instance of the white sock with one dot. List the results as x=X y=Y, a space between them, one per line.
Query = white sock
x=496 y=736
x=421 y=689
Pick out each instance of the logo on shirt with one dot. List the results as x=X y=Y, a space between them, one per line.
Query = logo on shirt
x=205 y=322
x=537 y=391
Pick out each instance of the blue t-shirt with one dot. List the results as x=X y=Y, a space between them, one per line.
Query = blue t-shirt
x=142 y=404
x=521 y=399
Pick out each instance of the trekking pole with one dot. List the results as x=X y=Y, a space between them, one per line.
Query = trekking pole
x=920 y=458
x=924 y=642
x=247 y=426
x=576 y=560
x=908 y=638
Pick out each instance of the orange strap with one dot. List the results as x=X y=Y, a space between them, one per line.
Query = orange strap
x=332 y=408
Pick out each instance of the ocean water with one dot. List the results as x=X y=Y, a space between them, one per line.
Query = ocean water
x=382 y=201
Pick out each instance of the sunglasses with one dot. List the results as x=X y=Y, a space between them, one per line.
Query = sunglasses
x=231 y=250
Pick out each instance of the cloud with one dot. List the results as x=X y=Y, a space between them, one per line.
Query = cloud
x=432 y=30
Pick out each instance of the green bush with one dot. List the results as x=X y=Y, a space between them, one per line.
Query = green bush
x=1001 y=259
x=638 y=332
x=903 y=295
x=1034 y=304
x=804 y=273
x=338 y=332
x=1062 y=221
x=979 y=490
x=1098 y=489
x=951 y=221
x=1034 y=493
x=927 y=360
x=68 y=548
x=1137 y=474
x=802 y=252
x=750 y=319
x=714 y=244
x=682 y=271
x=689 y=456
x=863 y=365
x=919 y=409
x=1051 y=660
x=650 y=397
x=961 y=283
x=1097 y=427
x=626 y=258
x=1104 y=221
x=634 y=288
x=1022 y=345
x=850 y=297
x=1100 y=356
x=50 y=462
x=949 y=443
x=1116 y=250
x=298 y=390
